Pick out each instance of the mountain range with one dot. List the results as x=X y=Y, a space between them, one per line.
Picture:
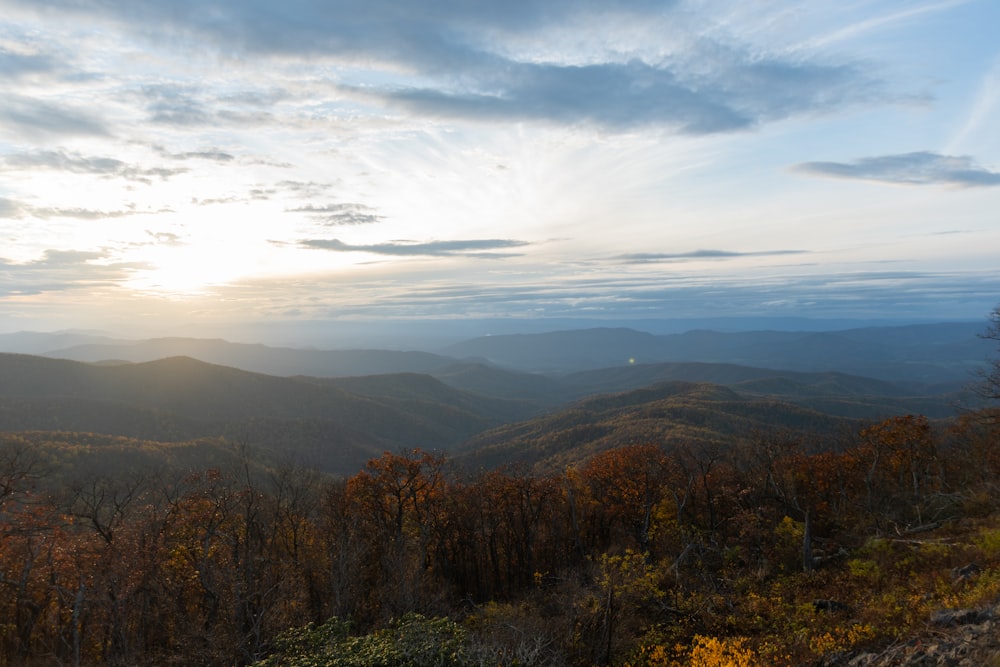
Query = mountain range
x=538 y=398
x=924 y=353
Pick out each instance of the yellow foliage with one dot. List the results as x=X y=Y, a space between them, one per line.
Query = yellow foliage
x=840 y=639
x=989 y=542
x=629 y=573
x=703 y=652
x=655 y=655
x=725 y=652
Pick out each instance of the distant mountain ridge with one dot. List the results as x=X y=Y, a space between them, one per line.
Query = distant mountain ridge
x=335 y=409
x=929 y=353
x=182 y=398
x=282 y=361
x=924 y=353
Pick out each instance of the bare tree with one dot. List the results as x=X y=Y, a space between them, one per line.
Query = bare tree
x=20 y=468
x=990 y=386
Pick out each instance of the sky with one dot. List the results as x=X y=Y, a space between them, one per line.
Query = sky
x=187 y=166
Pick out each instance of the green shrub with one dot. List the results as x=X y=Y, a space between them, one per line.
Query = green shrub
x=412 y=641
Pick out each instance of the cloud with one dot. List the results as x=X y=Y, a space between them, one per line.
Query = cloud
x=652 y=257
x=212 y=201
x=737 y=94
x=262 y=194
x=61 y=270
x=33 y=118
x=425 y=31
x=14 y=65
x=191 y=106
x=920 y=168
x=210 y=155
x=468 y=248
x=879 y=22
x=172 y=104
x=655 y=295
x=46 y=212
x=492 y=61
x=295 y=189
x=10 y=208
x=80 y=164
x=305 y=189
x=334 y=215
x=165 y=238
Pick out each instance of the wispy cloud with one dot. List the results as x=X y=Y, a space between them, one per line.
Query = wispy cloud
x=920 y=168
x=28 y=117
x=14 y=65
x=335 y=215
x=10 y=208
x=643 y=134
x=213 y=201
x=45 y=213
x=81 y=164
x=881 y=22
x=467 y=248
x=739 y=93
x=172 y=104
x=210 y=155
x=652 y=257
x=459 y=61
x=61 y=270
x=305 y=189
x=873 y=294
x=165 y=238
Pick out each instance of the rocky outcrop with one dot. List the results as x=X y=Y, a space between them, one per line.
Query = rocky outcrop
x=954 y=638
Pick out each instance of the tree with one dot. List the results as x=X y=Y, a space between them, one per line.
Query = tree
x=396 y=501
x=630 y=482
x=903 y=470
x=990 y=385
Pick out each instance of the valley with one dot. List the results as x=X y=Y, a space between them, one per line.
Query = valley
x=509 y=497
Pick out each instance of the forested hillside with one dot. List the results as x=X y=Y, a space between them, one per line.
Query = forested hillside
x=312 y=421
x=179 y=512
x=681 y=414
x=766 y=551
x=336 y=424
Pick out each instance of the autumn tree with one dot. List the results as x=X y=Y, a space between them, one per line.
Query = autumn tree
x=629 y=482
x=902 y=470
x=397 y=499
x=500 y=532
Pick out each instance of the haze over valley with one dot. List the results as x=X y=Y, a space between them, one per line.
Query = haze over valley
x=334 y=409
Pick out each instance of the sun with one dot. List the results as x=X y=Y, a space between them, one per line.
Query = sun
x=187 y=272
x=193 y=263
x=197 y=265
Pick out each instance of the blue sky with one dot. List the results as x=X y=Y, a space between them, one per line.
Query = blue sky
x=174 y=165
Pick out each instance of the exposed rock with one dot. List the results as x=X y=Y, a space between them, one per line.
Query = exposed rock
x=944 y=618
x=956 y=638
x=830 y=605
x=961 y=576
x=970 y=570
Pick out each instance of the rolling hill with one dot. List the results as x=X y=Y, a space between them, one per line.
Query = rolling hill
x=671 y=413
x=181 y=398
x=336 y=409
x=921 y=353
x=928 y=354
x=830 y=392
x=282 y=361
